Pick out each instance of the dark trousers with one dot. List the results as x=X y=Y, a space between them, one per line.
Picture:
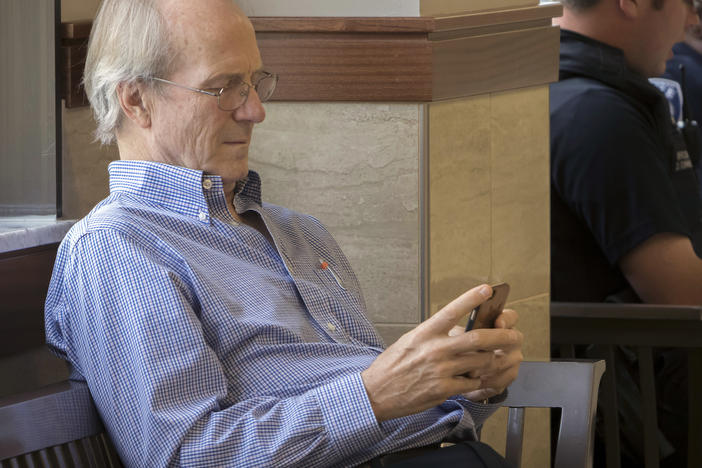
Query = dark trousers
x=465 y=454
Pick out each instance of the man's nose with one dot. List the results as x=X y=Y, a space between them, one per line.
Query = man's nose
x=252 y=110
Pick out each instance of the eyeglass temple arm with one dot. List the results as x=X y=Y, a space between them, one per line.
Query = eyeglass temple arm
x=209 y=93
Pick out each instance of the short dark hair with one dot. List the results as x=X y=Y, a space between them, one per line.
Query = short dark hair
x=582 y=5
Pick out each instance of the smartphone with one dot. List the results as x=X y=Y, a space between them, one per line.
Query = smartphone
x=485 y=314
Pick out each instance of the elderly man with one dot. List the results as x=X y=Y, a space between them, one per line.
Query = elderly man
x=216 y=330
x=625 y=211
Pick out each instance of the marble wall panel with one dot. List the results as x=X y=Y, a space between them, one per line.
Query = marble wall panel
x=460 y=234
x=520 y=190
x=355 y=167
x=85 y=178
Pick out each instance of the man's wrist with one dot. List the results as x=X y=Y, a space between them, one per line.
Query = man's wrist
x=495 y=399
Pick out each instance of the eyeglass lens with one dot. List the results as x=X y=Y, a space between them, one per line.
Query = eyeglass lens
x=233 y=97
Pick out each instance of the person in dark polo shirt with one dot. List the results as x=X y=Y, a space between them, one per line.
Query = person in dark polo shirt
x=625 y=222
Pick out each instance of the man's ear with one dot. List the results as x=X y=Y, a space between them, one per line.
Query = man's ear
x=134 y=105
x=630 y=8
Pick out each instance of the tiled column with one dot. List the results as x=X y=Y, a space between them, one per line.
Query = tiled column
x=489 y=219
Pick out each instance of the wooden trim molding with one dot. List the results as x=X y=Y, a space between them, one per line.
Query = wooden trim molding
x=421 y=59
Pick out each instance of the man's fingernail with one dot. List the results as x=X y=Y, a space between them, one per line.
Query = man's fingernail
x=485 y=291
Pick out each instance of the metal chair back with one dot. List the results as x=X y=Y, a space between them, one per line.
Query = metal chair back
x=571 y=386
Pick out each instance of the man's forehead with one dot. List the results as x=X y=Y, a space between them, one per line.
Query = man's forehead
x=207 y=7
x=206 y=28
x=202 y=17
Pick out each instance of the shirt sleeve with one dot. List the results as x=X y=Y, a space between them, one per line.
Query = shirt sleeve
x=123 y=315
x=609 y=167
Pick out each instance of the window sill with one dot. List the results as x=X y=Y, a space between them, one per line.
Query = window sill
x=23 y=232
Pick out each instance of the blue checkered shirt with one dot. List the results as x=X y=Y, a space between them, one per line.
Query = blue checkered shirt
x=204 y=344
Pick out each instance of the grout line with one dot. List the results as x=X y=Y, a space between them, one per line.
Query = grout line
x=530 y=298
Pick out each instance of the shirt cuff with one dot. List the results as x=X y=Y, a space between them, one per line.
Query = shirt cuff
x=348 y=415
x=481 y=411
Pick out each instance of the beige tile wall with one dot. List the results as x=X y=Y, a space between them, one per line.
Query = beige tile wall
x=489 y=219
x=460 y=198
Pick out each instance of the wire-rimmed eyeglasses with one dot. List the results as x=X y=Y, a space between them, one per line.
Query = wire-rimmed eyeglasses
x=234 y=96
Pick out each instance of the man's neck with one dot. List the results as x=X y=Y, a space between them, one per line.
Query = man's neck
x=229 y=196
x=605 y=24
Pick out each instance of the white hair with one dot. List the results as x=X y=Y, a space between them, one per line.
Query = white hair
x=129 y=42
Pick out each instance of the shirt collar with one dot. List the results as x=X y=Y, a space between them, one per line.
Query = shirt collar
x=187 y=191
x=583 y=56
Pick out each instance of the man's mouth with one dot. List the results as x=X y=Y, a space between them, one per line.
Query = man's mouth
x=235 y=142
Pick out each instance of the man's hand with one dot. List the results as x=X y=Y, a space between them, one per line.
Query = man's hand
x=429 y=364
x=505 y=361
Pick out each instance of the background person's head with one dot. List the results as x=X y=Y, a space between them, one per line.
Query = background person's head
x=585 y=4
x=694 y=32
x=645 y=30
x=207 y=44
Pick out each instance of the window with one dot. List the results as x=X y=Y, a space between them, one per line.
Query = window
x=29 y=121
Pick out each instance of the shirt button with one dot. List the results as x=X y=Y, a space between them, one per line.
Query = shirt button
x=207 y=184
x=331 y=327
x=202 y=216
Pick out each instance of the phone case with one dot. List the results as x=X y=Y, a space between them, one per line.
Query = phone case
x=485 y=314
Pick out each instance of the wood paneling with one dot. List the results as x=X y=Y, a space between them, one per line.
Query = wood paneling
x=420 y=59
x=24 y=281
x=351 y=67
x=483 y=64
